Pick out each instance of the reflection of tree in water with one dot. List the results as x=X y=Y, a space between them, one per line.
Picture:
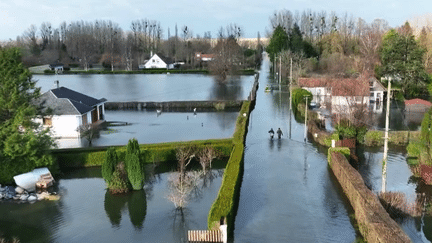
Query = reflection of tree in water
x=194 y=183
x=151 y=178
x=229 y=90
x=180 y=224
x=136 y=203
x=225 y=119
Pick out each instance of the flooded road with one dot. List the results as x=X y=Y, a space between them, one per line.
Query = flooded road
x=288 y=192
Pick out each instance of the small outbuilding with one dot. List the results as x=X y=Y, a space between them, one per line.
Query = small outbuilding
x=67 y=110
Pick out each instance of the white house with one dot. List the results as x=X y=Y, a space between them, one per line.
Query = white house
x=340 y=93
x=158 y=62
x=319 y=88
x=68 y=110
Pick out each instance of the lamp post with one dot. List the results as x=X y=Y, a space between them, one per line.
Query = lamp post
x=384 y=167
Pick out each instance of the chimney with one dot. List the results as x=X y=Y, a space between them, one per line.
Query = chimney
x=57 y=83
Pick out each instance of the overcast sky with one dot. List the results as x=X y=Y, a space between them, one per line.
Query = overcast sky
x=16 y=16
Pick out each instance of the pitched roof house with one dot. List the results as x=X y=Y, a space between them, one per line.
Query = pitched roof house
x=340 y=92
x=68 y=110
x=157 y=61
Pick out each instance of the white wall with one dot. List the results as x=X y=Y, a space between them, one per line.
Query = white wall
x=66 y=126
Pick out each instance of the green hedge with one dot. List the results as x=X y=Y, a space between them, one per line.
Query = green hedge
x=226 y=203
x=87 y=157
x=343 y=150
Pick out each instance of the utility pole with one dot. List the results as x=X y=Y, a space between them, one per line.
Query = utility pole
x=280 y=72
x=384 y=167
x=290 y=92
x=306 y=111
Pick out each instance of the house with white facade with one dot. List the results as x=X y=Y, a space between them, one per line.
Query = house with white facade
x=66 y=110
x=319 y=87
x=348 y=93
x=157 y=61
x=342 y=93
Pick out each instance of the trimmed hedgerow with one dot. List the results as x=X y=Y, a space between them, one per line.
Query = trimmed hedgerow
x=226 y=204
x=151 y=153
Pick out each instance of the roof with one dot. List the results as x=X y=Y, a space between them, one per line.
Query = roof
x=350 y=87
x=377 y=85
x=64 y=101
x=339 y=86
x=312 y=82
x=418 y=102
x=166 y=60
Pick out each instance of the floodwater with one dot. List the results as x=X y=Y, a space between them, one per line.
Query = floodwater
x=288 y=192
x=150 y=127
x=398 y=180
x=86 y=212
x=150 y=87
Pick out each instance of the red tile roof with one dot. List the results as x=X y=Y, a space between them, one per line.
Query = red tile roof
x=340 y=86
x=418 y=102
x=312 y=82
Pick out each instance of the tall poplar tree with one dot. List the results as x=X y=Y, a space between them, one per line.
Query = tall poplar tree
x=23 y=146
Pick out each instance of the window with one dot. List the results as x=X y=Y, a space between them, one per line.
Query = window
x=47 y=121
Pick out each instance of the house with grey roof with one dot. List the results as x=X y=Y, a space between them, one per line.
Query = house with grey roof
x=66 y=110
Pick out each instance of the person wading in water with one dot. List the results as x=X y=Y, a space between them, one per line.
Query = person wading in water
x=279 y=132
x=271 y=133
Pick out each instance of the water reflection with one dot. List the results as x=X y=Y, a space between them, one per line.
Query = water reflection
x=230 y=90
x=150 y=87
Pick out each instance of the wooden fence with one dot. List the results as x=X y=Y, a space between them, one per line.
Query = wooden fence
x=198 y=236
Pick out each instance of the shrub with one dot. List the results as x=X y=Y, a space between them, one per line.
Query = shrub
x=298 y=97
x=414 y=149
x=343 y=150
x=119 y=182
x=374 y=138
x=108 y=167
x=133 y=165
x=328 y=140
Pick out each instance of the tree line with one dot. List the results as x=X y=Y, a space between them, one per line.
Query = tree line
x=85 y=43
x=343 y=46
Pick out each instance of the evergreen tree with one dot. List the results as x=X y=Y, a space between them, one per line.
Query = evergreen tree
x=133 y=165
x=23 y=146
x=109 y=165
x=278 y=42
x=402 y=59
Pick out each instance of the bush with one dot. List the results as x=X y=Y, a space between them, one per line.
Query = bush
x=298 y=97
x=108 y=167
x=343 y=150
x=119 y=182
x=333 y=136
x=374 y=138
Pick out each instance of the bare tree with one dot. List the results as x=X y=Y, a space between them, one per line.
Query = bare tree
x=227 y=59
x=89 y=132
x=206 y=156
x=184 y=156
